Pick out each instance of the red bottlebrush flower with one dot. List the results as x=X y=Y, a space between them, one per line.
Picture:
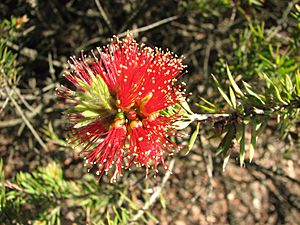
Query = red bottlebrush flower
x=118 y=109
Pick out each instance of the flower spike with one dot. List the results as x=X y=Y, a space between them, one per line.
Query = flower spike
x=117 y=106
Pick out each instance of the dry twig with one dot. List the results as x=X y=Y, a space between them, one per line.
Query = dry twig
x=103 y=14
x=26 y=121
x=155 y=194
x=151 y=26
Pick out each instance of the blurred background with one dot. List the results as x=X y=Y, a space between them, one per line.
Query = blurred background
x=43 y=180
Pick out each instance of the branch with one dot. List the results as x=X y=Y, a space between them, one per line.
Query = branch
x=210 y=116
x=214 y=117
x=26 y=121
x=151 y=26
x=103 y=14
x=155 y=194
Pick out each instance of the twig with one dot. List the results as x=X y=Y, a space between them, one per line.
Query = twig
x=209 y=116
x=88 y=43
x=51 y=67
x=281 y=21
x=155 y=194
x=5 y=103
x=26 y=104
x=88 y=215
x=49 y=87
x=206 y=58
x=133 y=16
x=28 y=124
x=32 y=54
x=210 y=187
x=103 y=14
x=28 y=52
x=14 y=122
x=151 y=26
x=266 y=170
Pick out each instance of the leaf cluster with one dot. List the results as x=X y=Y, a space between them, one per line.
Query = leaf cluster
x=251 y=107
x=42 y=196
x=258 y=48
x=8 y=64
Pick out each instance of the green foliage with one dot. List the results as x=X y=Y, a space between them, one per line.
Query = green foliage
x=193 y=138
x=252 y=107
x=257 y=49
x=265 y=83
x=42 y=195
x=185 y=114
x=92 y=103
x=183 y=110
x=8 y=64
